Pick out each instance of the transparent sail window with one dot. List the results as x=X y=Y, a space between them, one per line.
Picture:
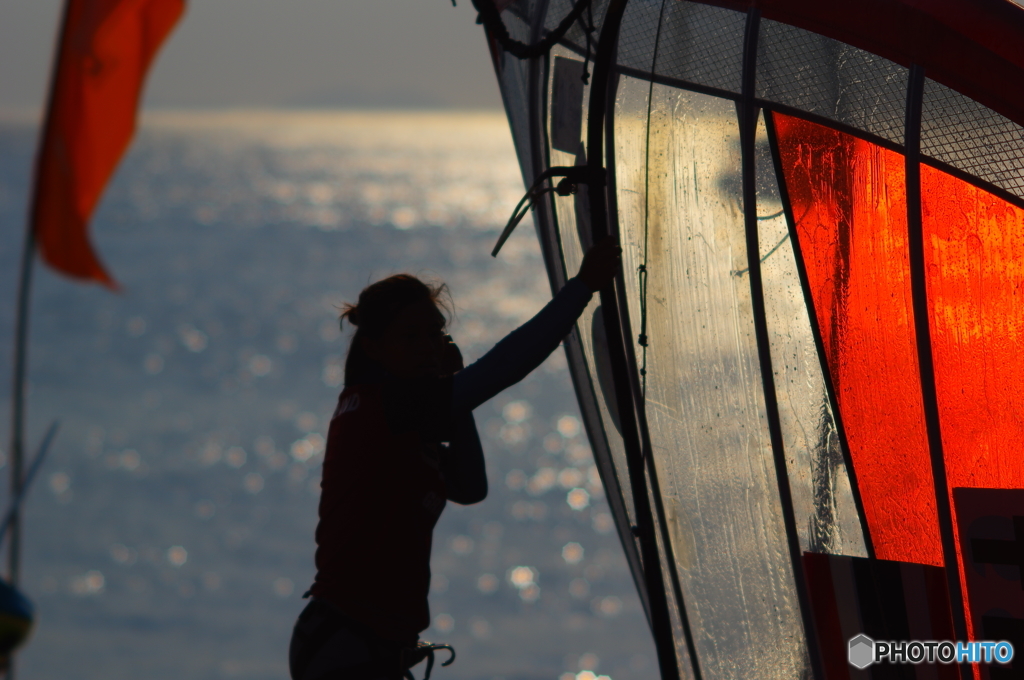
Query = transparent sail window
x=704 y=398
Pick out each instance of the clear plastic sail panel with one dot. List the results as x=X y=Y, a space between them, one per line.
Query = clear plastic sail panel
x=804 y=389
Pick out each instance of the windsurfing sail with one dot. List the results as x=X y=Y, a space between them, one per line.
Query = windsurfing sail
x=809 y=367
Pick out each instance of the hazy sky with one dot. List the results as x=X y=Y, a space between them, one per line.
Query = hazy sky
x=260 y=53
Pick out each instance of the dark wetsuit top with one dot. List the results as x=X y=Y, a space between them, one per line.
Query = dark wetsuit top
x=383 y=485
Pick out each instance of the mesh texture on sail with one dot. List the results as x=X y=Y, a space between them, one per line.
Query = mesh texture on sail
x=973 y=138
x=702 y=44
x=557 y=11
x=637 y=35
x=812 y=73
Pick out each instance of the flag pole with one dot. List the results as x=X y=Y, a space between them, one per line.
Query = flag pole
x=18 y=398
x=19 y=393
x=21 y=324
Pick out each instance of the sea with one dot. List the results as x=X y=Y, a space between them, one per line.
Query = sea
x=169 y=533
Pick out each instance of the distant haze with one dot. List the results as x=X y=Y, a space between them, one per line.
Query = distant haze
x=284 y=53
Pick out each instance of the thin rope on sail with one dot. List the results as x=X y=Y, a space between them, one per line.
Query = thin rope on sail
x=642 y=339
x=588 y=31
x=741 y=272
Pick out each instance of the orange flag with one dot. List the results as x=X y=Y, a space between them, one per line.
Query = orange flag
x=106 y=48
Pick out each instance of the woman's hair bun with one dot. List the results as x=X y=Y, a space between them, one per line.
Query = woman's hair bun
x=351 y=314
x=378 y=305
x=380 y=302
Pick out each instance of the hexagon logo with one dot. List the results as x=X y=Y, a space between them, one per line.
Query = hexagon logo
x=862 y=651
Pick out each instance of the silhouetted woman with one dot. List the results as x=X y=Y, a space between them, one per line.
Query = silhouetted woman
x=402 y=442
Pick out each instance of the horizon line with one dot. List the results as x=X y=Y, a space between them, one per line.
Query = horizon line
x=33 y=114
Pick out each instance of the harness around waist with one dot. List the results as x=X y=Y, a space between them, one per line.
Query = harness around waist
x=388 y=659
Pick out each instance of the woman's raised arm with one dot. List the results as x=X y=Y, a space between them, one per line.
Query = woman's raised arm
x=525 y=348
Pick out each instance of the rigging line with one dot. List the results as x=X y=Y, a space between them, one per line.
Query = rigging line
x=588 y=31
x=490 y=17
x=572 y=176
x=626 y=526
x=642 y=338
x=526 y=203
x=741 y=272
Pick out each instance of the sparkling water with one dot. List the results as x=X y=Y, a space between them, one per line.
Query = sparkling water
x=170 y=533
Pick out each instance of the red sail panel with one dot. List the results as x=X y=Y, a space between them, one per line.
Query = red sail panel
x=975 y=277
x=974 y=252
x=848 y=199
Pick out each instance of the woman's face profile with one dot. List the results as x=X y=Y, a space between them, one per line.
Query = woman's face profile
x=412 y=345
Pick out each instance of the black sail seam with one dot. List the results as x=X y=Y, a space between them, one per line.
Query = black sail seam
x=926 y=363
x=661 y=623
x=748 y=120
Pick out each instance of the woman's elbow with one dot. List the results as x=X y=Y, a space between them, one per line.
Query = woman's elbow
x=468 y=496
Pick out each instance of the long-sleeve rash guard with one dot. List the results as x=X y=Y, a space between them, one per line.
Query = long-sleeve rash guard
x=521 y=351
x=386 y=479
